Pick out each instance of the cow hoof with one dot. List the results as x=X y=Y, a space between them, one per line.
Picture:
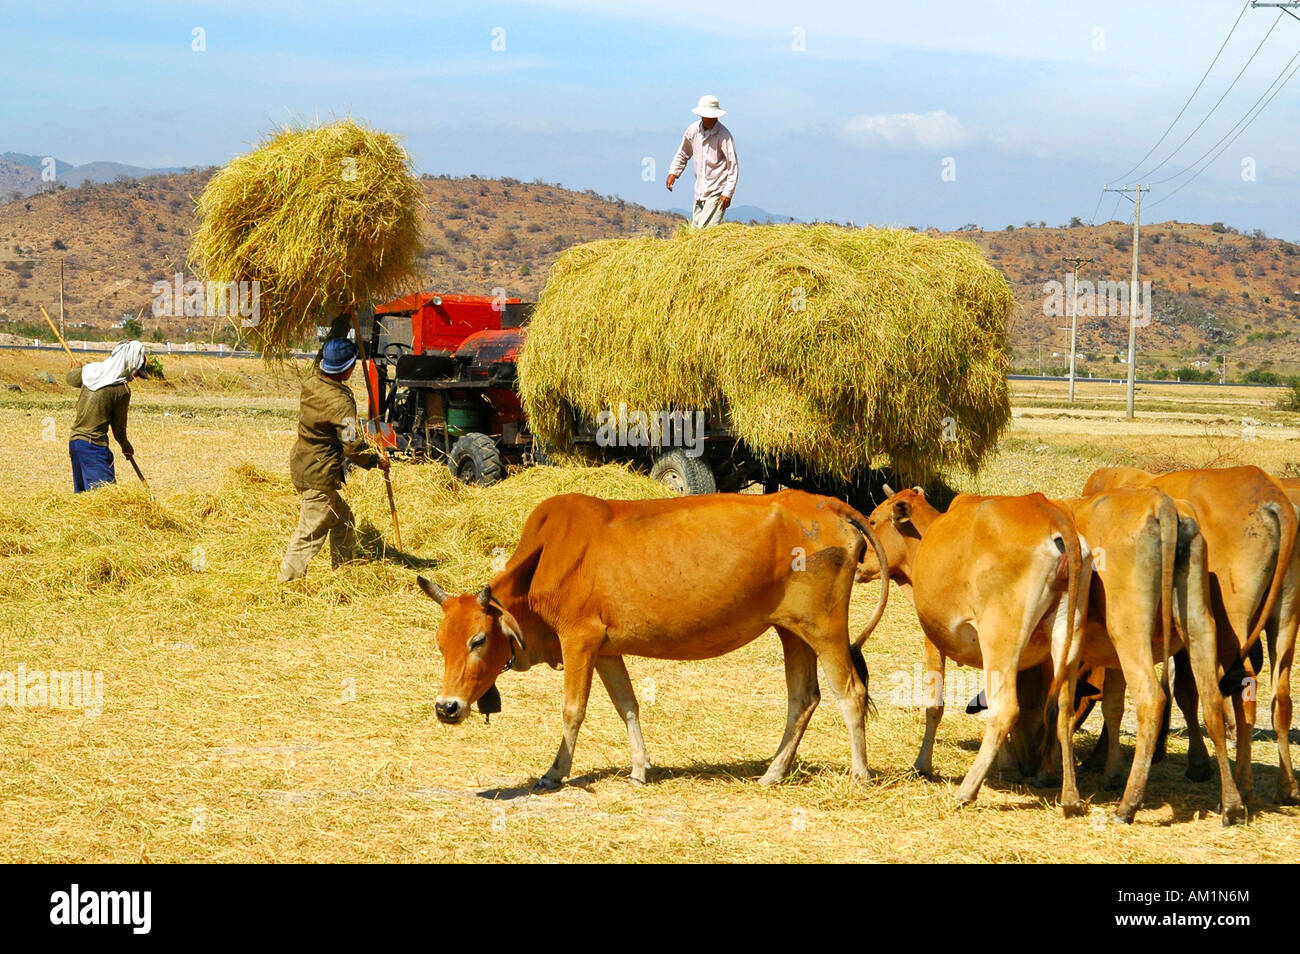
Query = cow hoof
x=1200 y=771
x=769 y=779
x=1072 y=809
x=861 y=780
x=1288 y=798
x=1125 y=815
x=1113 y=783
x=638 y=781
x=924 y=771
x=1234 y=815
x=545 y=784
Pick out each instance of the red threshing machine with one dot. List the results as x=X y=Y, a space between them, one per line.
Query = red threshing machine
x=442 y=372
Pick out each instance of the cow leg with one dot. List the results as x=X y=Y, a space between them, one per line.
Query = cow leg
x=1112 y=713
x=1282 y=653
x=1188 y=675
x=613 y=673
x=577 y=689
x=802 y=696
x=832 y=647
x=1243 y=773
x=1204 y=668
x=1149 y=700
x=1000 y=683
x=934 y=662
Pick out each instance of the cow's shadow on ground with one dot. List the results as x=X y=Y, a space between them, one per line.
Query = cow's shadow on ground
x=748 y=770
x=1167 y=784
x=371 y=545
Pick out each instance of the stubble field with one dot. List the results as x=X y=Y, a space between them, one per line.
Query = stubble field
x=245 y=721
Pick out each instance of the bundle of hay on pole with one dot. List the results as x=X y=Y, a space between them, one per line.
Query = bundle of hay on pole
x=841 y=348
x=325 y=220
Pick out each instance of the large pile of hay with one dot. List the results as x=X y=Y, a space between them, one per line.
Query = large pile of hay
x=325 y=218
x=838 y=347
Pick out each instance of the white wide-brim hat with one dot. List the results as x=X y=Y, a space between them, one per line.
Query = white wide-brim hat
x=708 y=108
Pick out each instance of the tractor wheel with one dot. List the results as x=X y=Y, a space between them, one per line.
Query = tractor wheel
x=475 y=460
x=686 y=475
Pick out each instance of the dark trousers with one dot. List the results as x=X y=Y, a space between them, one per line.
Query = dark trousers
x=92 y=465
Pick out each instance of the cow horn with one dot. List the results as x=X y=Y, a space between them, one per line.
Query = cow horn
x=889 y=491
x=432 y=590
x=485 y=597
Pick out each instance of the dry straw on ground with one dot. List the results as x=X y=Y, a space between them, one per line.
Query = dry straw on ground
x=844 y=348
x=325 y=218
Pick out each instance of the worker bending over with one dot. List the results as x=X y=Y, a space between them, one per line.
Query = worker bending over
x=101 y=406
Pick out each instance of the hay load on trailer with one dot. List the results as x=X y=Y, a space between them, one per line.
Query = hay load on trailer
x=816 y=352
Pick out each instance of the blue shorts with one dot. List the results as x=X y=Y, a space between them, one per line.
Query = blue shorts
x=92 y=465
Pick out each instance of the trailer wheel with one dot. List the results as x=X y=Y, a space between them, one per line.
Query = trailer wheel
x=475 y=459
x=686 y=475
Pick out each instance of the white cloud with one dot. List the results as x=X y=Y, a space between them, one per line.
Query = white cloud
x=933 y=130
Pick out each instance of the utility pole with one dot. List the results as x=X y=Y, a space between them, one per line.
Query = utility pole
x=1074 y=325
x=62 y=328
x=1137 y=191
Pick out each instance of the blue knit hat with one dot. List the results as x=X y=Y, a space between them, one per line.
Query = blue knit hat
x=337 y=355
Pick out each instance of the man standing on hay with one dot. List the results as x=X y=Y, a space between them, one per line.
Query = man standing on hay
x=709 y=143
x=101 y=406
x=329 y=430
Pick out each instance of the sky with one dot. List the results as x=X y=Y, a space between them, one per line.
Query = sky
x=921 y=112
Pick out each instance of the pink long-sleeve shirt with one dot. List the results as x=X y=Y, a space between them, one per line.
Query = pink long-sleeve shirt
x=714 y=152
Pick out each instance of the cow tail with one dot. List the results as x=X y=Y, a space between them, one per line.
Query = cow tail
x=1286 y=538
x=1069 y=540
x=1168 y=518
x=863 y=526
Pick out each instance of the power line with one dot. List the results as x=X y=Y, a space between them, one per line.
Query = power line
x=1267 y=89
x=1230 y=141
x=1244 y=7
x=1220 y=100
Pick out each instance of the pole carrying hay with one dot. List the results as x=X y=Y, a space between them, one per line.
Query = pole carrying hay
x=324 y=218
x=834 y=346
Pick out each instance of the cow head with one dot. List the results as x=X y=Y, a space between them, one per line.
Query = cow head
x=478 y=640
x=892 y=522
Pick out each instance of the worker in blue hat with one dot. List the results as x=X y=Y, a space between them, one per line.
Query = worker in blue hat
x=330 y=437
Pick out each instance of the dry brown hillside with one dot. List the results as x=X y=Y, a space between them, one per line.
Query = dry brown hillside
x=119 y=238
x=1214 y=291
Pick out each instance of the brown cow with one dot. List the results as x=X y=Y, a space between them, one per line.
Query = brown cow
x=998 y=583
x=1249 y=527
x=1149 y=598
x=683 y=578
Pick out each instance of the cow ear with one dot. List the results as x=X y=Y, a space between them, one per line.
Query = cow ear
x=902 y=512
x=919 y=490
x=432 y=590
x=485 y=597
x=490 y=702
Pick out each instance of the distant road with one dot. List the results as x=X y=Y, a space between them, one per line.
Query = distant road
x=1124 y=380
x=155 y=351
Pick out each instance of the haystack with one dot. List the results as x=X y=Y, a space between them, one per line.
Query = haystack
x=325 y=218
x=842 y=348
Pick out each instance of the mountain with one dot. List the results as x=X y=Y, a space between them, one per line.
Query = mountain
x=1213 y=290
x=118 y=238
x=747 y=214
x=28 y=171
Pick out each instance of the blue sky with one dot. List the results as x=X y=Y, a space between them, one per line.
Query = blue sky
x=1035 y=104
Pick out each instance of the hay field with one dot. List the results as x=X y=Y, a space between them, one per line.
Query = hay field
x=242 y=721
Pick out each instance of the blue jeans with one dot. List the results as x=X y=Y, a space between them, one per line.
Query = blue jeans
x=92 y=465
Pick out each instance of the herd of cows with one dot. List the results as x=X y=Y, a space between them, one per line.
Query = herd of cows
x=1196 y=569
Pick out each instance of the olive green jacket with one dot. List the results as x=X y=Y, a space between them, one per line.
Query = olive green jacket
x=329 y=430
x=97 y=411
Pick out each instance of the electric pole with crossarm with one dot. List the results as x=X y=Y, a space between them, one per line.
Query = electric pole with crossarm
x=1137 y=191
